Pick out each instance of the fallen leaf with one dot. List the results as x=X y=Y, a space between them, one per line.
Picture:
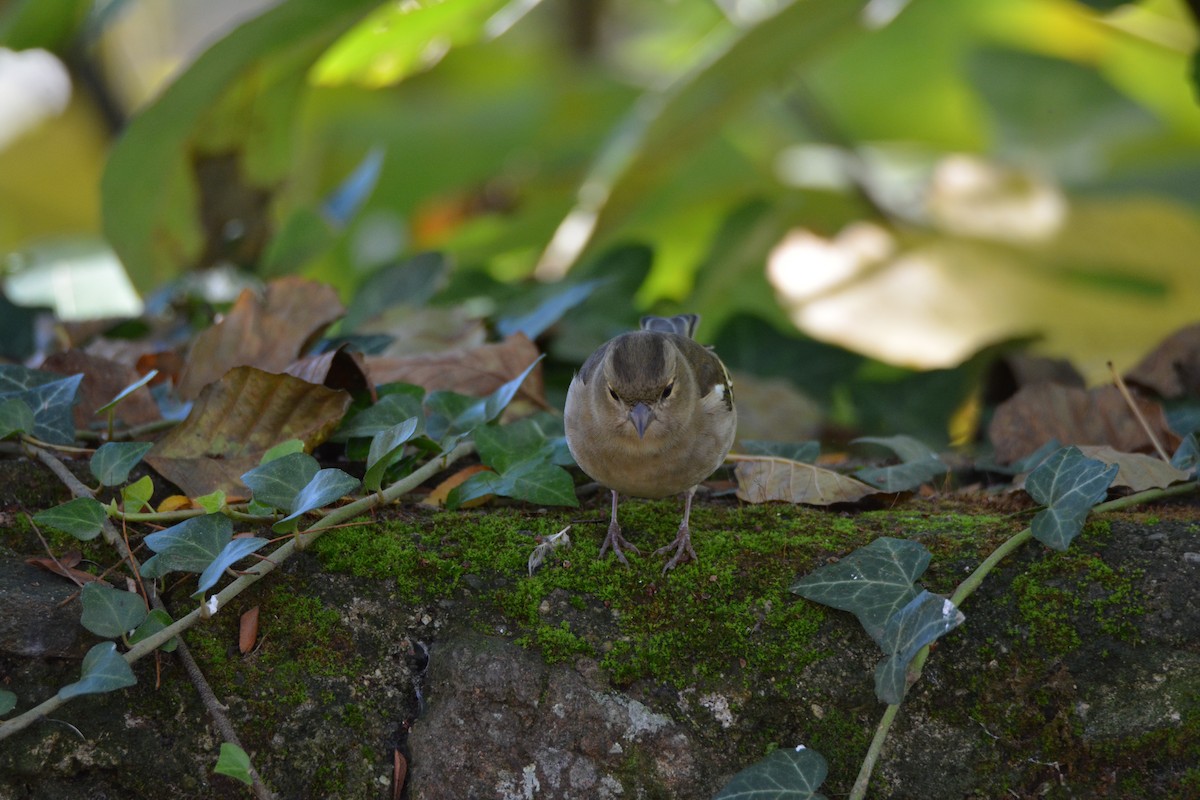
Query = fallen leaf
x=65 y=567
x=475 y=371
x=399 y=772
x=437 y=497
x=175 y=502
x=1137 y=471
x=267 y=333
x=248 y=631
x=337 y=369
x=1036 y=414
x=1173 y=368
x=234 y=421
x=763 y=479
x=102 y=381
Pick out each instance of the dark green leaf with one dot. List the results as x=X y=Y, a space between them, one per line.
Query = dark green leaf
x=501 y=446
x=410 y=283
x=8 y=701
x=232 y=553
x=919 y=464
x=535 y=481
x=276 y=483
x=1187 y=455
x=109 y=612
x=1068 y=484
x=282 y=449
x=391 y=410
x=15 y=417
x=50 y=397
x=234 y=762
x=785 y=774
x=452 y=416
x=325 y=487
x=17 y=340
x=804 y=452
x=191 y=545
x=386 y=448
x=112 y=461
x=82 y=517
x=923 y=620
x=128 y=390
x=873 y=582
x=534 y=323
x=104 y=670
x=155 y=621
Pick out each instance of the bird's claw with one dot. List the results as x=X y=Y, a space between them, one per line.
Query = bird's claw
x=616 y=541
x=682 y=545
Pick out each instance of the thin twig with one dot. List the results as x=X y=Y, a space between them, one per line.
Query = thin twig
x=1137 y=412
x=62 y=570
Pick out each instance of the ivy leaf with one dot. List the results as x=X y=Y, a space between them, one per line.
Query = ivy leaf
x=1187 y=455
x=551 y=309
x=234 y=763
x=155 y=621
x=924 y=619
x=109 y=612
x=785 y=774
x=397 y=402
x=386 y=449
x=15 y=417
x=452 y=416
x=521 y=455
x=112 y=461
x=276 y=483
x=191 y=545
x=1068 y=484
x=49 y=397
x=282 y=449
x=919 y=464
x=325 y=487
x=232 y=553
x=128 y=390
x=136 y=495
x=8 y=701
x=873 y=582
x=104 y=670
x=82 y=517
x=213 y=502
x=804 y=452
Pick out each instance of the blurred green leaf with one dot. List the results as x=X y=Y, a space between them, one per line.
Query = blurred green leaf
x=411 y=282
x=8 y=701
x=50 y=397
x=112 y=461
x=109 y=612
x=128 y=390
x=16 y=417
x=238 y=99
x=16 y=330
x=49 y=24
x=804 y=452
x=82 y=517
x=104 y=670
x=919 y=464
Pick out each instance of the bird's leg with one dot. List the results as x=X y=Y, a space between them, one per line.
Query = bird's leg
x=683 y=540
x=614 y=539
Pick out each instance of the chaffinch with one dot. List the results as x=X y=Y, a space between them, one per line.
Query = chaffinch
x=651 y=414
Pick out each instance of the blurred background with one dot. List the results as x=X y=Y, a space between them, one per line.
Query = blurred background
x=869 y=203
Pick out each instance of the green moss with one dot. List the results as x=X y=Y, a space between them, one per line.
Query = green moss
x=558 y=643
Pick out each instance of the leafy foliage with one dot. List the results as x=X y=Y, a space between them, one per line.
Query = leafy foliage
x=923 y=620
x=104 y=670
x=112 y=461
x=109 y=612
x=51 y=398
x=234 y=762
x=1069 y=484
x=786 y=774
x=919 y=464
x=81 y=517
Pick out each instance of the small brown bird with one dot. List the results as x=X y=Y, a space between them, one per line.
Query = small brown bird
x=651 y=414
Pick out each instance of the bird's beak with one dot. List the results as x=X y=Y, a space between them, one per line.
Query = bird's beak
x=641 y=415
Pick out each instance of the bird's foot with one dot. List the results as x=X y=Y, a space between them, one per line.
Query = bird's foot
x=616 y=541
x=682 y=547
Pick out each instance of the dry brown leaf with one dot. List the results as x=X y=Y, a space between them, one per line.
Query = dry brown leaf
x=1137 y=471
x=268 y=333
x=337 y=369
x=476 y=371
x=399 y=772
x=248 y=631
x=762 y=479
x=65 y=567
x=102 y=381
x=437 y=497
x=1173 y=368
x=235 y=421
x=1036 y=414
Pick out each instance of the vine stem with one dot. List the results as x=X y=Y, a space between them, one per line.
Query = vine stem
x=252 y=575
x=965 y=590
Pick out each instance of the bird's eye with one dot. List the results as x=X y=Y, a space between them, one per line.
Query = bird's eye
x=613 y=393
x=667 y=391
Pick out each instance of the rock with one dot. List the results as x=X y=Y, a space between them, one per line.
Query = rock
x=501 y=723
x=34 y=623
